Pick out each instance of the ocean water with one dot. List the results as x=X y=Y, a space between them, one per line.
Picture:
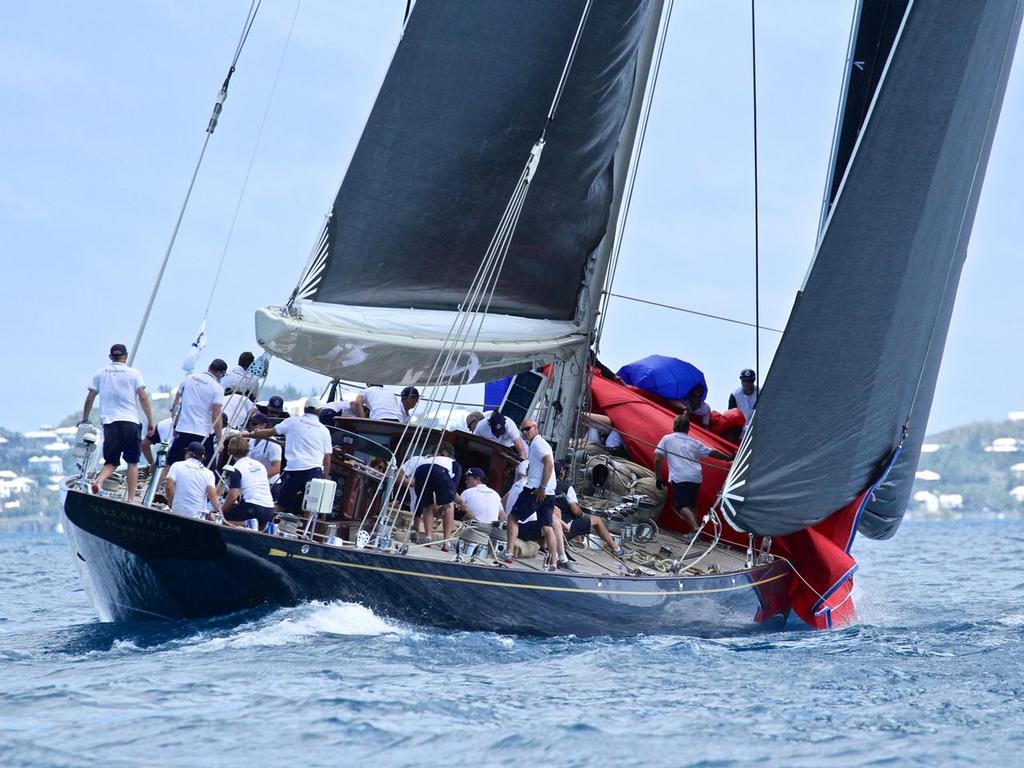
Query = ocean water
x=932 y=674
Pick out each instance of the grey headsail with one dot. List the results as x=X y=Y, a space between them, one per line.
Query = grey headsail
x=874 y=33
x=464 y=100
x=861 y=352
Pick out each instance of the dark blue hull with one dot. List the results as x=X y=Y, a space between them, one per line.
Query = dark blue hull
x=141 y=563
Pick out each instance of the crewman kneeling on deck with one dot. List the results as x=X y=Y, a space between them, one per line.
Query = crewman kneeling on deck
x=683 y=454
x=248 y=487
x=479 y=501
x=307 y=453
x=189 y=484
x=538 y=496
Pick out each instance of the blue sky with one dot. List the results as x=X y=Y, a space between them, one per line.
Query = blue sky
x=102 y=112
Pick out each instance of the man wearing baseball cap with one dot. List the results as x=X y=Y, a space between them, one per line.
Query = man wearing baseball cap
x=375 y=402
x=479 y=501
x=190 y=485
x=118 y=386
x=745 y=398
x=307 y=453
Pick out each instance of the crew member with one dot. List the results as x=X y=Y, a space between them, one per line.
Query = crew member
x=190 y=485
x=118 y=386
x=239 y=379
x=307 y=453
x=266 y=452
x=538 y=496
x=162 y=433
x=248 y=487
x=434 y=480
x=698 y=410
x=745 y=398
x=200 y=402
x=501 y=429
x=479 y=501
x=375 y=402
x=573 y=522
x=683 y=455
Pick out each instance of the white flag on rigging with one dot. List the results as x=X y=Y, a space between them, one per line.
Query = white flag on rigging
x=197 y=347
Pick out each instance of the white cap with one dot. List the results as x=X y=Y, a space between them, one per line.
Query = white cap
x=313 y=402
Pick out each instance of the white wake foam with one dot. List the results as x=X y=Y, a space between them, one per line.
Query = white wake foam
x=292 y=625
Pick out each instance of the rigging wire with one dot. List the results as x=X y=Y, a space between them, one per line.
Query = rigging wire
x=757 y=270
x=211 y=126
x=693 y=312
x=252 y=160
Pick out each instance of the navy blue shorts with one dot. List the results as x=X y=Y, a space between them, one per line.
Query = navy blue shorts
x=433 y=485
x=122 y=438
x=293 y=487
x=244 y=510
x=580 y=526
x=531 y=531
x=685 y=495
x=526 y=505
x=176 y=452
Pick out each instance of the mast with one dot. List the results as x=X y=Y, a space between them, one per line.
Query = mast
x=572 y=376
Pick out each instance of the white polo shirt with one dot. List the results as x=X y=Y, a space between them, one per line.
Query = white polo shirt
x=165 y=431
x=237 y=408
x=266 y=452
x=250 y=478
x=238 y=379
x=483 y=502
x=118 y=385
x=483 y=429
x=745 y=402
x=306 y=441
x=199 y=393
x=683 y=454
x=382 y=404
x=539 y=448
x=191 y=480
x=701 y=416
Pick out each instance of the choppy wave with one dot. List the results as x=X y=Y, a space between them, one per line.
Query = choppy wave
x=929 y=674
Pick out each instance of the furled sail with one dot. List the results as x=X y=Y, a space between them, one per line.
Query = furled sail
x=463 y=102
x=858 y=362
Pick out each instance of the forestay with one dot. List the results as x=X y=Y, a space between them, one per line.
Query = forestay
x=862 y=348
x=463 y=102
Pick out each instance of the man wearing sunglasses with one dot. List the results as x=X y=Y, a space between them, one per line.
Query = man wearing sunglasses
x=538 y=497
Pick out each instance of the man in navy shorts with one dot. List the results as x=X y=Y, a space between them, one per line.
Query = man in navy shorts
x=683 y=455
x=118 y=387
x=538 y=496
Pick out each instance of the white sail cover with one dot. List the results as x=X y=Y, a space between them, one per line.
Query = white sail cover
x=858 y=362
x=463 y=103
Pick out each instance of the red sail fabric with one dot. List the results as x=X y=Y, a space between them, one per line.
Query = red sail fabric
x=822 y=597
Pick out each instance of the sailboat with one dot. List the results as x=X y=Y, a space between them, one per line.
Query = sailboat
x=472 y=238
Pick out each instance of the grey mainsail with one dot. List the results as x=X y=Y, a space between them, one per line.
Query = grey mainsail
x=861 y=352
x=464 y=100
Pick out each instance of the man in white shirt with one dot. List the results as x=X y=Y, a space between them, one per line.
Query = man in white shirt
x=500 y=429
x=745 y=398
x=162 y=433
x=698 y=410
x=433 y=480
x=248 y=487
x=307 y=453
x=238 y=379
x=118 y=387
x=236 y=409
x=190 y=485
x=375 y=402
x=200 y=403
x=683 y=455
x=479 y=501
x=266 y=452
x=538 y=496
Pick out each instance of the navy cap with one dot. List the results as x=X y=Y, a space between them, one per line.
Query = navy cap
x=747 y=374
x=410 y=392
x=196 y=448
x=259 y=418
x=476 y=472
x=276 y=403
x=118 y=349
x=218 y=365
